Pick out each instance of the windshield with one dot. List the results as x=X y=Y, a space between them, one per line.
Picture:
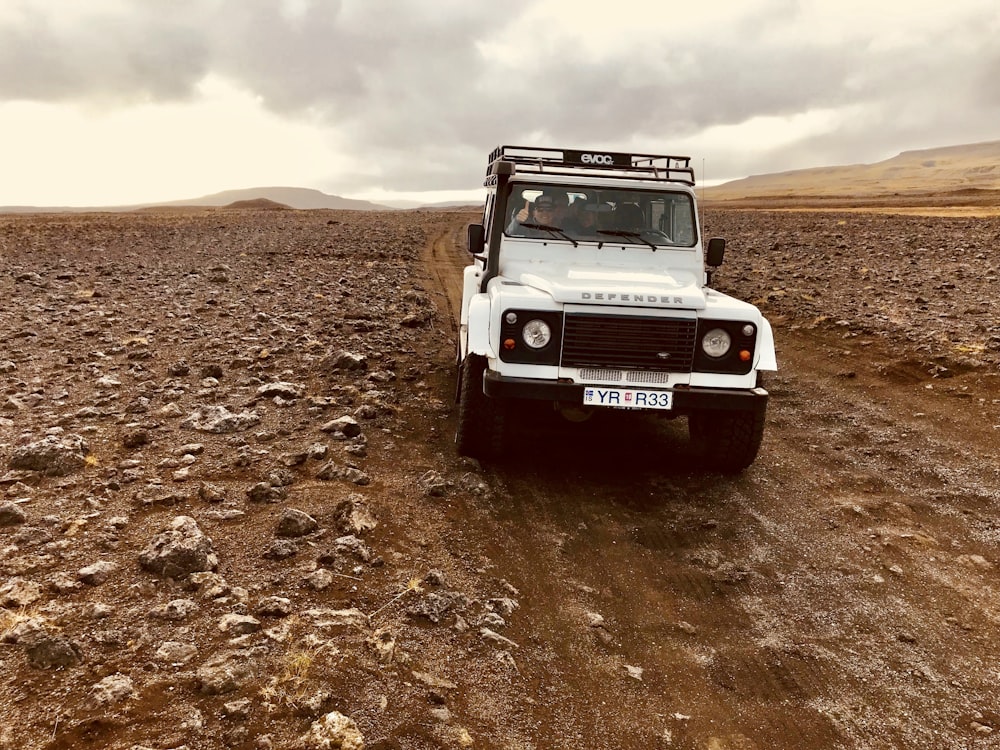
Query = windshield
x=655 y=218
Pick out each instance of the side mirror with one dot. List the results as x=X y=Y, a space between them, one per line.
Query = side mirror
x=477 y=238
x=716 y=251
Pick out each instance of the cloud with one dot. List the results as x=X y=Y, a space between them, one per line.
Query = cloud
x=110 y=53
x=414 y=95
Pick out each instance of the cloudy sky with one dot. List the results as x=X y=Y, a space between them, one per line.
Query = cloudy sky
x=126 y=101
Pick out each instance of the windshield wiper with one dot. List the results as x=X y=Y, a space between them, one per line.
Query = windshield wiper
x=627 y=233
x=549 y=228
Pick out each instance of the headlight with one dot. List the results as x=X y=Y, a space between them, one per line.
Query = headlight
x=536 y=334
x=716 y=343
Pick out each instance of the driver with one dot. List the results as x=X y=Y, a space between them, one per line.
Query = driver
x=547 y=210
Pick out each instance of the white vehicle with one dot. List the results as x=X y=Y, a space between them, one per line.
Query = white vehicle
x=589 y=290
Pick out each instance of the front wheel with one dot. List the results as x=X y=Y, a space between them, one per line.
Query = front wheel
x=480 y=432
x=728 y=441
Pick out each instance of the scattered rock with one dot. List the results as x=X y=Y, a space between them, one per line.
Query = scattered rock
x=211 y=493
x=287 y=391
x=352 y=516
x=234 y=624
x=594 y=620
x=52 y=456
x=11 y=514
x=352 y=474
x=332 y=732
x=18 y=592
x=225 y=673
x=274 y=606
x=342 y=427
x=174 y=652
x=433 y=484
x=179 y=550
x=338 y=618
x=264 y=492
x=175 y=609
x=347 y=362
x=97 y=573
x=112 y=689
x=437 y=605
x=281 y=549
x=53 y=652
x=218 y=419
x=295 y=523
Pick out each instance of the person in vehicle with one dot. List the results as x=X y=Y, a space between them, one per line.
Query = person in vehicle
x=547 y=210
x=581 y=220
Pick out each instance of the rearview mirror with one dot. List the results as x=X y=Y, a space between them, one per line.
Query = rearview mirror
x=477 y=238
x=716 y=251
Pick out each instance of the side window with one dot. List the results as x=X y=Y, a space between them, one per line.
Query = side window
x=682 y=223
x=488 y=213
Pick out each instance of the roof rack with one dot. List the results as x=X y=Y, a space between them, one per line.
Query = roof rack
x=603 y=164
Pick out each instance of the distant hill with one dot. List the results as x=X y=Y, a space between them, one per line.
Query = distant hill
x=441 y=204
x=288 y=197
x=291 y=197
x=971 y=172
x=973 y=167
x=258 y=203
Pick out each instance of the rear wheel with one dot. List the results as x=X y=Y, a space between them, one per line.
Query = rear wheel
x=480 y=432
x=728 y=441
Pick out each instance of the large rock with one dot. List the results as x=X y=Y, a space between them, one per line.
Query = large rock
x=53 y=652
x=52 y=456
x=342 y=428
x=332 y=732
x=179 y=550
x=353 y=516
x=348 y=361
x=18 y=592
x=218 y=419
x=225 y=673
x=112 y=689
x=11 y=514
x=280 y=389
x=296 y=523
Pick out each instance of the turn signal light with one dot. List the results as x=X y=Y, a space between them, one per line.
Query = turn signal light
x=744 y=355
x=509 y=344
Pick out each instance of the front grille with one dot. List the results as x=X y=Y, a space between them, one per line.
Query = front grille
x=627 y=342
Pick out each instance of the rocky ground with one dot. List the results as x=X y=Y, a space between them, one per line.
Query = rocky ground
x=231 y=514
x=925 y=283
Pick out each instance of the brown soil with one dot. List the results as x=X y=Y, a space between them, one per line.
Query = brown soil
x=596 y=589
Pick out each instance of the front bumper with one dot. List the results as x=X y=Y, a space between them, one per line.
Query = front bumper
x=686 y=399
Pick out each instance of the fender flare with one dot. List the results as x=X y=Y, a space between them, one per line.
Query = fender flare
x=478 y=336
x=766 y=358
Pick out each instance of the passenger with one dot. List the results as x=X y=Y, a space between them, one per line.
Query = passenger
x=547 y=211
x=582 y=218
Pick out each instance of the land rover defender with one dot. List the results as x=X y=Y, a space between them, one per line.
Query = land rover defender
x=589 y=290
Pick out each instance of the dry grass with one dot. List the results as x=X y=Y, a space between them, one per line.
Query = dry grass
x=295 y=682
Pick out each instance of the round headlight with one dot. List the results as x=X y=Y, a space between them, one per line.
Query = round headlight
x=536 y=334
x=716 y=343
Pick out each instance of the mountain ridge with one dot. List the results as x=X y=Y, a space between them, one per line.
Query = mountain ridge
x=974 y=166
x=292 y=197
x=944 y=170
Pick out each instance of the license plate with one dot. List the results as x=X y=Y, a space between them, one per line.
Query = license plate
x=628 y=398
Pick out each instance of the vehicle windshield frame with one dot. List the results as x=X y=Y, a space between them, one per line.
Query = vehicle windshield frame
x=640 y=216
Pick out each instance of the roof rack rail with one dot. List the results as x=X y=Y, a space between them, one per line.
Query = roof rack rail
x=603 y=164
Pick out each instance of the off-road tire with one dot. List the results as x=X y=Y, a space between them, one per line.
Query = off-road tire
x=727 y=441
x=480 y=432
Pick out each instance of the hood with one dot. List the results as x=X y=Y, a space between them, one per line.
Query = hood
x=583 y=285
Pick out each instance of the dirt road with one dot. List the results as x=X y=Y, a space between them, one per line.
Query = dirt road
x=232 y=515
x=841 y=593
